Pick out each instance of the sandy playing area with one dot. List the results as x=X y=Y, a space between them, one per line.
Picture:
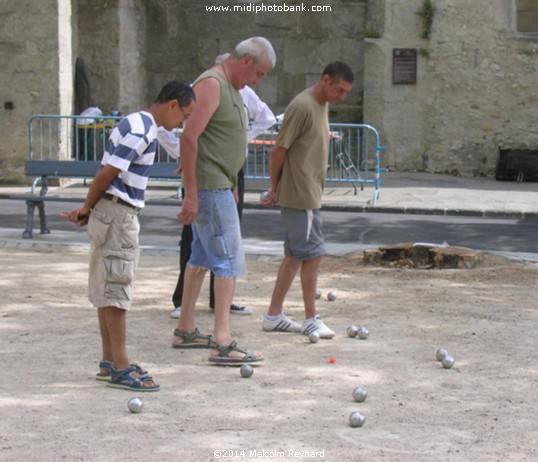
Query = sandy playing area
x=297 y=404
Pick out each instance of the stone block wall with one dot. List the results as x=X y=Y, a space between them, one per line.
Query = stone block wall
x=476 y=74
x=29 y=81
x=130 y=48
x=99 y=46
x=184 y=39
x=476 y=86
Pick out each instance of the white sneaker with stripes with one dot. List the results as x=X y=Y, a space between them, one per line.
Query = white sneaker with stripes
x=281 y=324
x=316 y=323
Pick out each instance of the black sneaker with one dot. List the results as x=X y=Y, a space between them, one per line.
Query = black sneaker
x=237 y=309
x=241 y=310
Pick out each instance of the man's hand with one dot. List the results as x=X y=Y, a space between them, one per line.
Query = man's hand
x=189 y=209
x=268 y=198
x=99 y=185
x=77 y=216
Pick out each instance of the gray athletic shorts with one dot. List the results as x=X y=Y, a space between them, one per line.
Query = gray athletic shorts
x=303 y=238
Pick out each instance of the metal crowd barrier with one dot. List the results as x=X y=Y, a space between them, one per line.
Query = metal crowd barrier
x=53 y=139
x=73 y=146
x=354 y=156
x=82 y=138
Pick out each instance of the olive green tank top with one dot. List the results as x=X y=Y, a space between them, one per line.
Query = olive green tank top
x=222 y=145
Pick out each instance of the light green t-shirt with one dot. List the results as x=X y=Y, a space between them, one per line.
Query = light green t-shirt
x=305 y=135
x=222 y=145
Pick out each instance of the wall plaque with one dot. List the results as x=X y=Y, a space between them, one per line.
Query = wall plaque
x=404 y=66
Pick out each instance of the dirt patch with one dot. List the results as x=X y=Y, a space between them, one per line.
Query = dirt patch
x=483 y=409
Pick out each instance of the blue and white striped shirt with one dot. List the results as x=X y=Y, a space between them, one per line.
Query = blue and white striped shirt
x=131 y=148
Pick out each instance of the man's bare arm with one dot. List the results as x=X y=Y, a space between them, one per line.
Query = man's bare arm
x=276 y=163
x=207 y=100
x=99 y=185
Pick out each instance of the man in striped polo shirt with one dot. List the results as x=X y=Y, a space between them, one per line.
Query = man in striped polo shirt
x=111 y=209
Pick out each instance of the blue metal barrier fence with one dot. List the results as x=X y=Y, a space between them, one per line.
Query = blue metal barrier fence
x=354 y=156
x=354 y=148
x=77 y=138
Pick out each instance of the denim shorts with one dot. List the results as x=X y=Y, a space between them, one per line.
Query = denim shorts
x=113 y=231
x=216 y=242
x=303 y=238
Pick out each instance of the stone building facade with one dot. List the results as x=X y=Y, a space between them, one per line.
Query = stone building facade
x=33 y=72
x=476 y=88
x=475 y=84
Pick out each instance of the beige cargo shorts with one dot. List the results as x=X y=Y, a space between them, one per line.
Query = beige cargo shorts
x=113 y=231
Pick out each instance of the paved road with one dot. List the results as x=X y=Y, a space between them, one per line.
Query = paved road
x=357 y=229
x=372 y=229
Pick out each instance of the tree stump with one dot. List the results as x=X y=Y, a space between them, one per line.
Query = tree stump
x=423 y=256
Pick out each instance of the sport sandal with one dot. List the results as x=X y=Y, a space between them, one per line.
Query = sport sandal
x=108 y=366
x=223 y=358
x=125 y=380
x=189 y=340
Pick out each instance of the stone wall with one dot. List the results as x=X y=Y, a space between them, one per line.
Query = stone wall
x=29 y=81
x=112 y=43
x=99 y=47
x=476 y=86
x=130 y=48
x=475 y=89
x=132 y=73
x=184 y=39
x=133 y=47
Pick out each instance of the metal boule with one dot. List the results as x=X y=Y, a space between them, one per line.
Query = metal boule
x=246 y=371
x=359 y=394
x=363 y=333
x=440 y=354
x=352 y=331
x=448 y=361
x=135 y=405
x=357 y=419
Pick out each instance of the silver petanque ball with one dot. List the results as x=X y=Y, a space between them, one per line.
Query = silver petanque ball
x=352 y=331
x=331 y=296
x=448 y=361
x=440 y=354
x=359 y=394
x=363 y=333
x=318 y=294
x=356 y=419
x=264 y=196
x=135 y=405
x=313 y=336
x=246 y=371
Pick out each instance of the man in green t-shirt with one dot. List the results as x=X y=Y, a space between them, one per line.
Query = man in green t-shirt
x=213 y=146
x=298 y=167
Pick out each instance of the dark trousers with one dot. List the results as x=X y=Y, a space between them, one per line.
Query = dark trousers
x=185 y=248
